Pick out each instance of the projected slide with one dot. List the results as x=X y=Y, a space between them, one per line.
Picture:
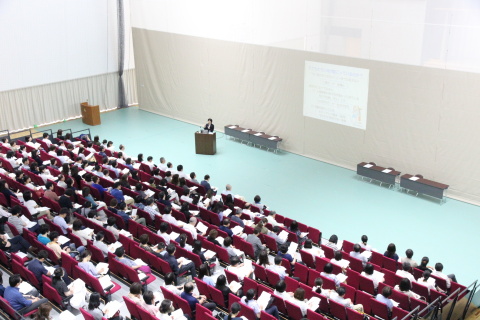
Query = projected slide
x=336 y=94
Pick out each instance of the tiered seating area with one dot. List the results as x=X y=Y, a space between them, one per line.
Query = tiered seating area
x=358 y=288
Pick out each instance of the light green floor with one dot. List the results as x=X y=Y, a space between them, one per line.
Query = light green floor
x=322 y=195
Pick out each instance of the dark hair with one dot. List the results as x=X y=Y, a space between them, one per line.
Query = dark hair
x=234 y=309
x=364 y=239
x=294 y=226
x=278 y=260
x=249 y=295
x=170 y=248
x=308 y=244
x=438 y=266
x=165 y=306
x=136 y=288
x=188 y=287
x=85 y=254
x=424 y=261
x=406 y=266
x=169 y=278
x=53 y=235
x=42 y=254
x=148 y=297
x=119 y=252
x=426 y=274
x=341 y=291
x=333 y=238
x=221 y=281
x=77 y=225
x=338 y=255
x=328 y=268
x=257 y=198
x=263 y=258
x=14 y=280
x=57 y=275
x=144 y=238
x=203 y=270
x=368 y=269
x=319 y=284
x=94 y=301
x=197 y=247
x=405 y=285
x=281 y=286
x=234 y=260
x=356 y=247
x=111 y=221
x=391 y=249
x=100 y=235
x=409 y=253
x=163 y=227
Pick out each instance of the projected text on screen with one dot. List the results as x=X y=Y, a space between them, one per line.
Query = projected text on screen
x=336 y=94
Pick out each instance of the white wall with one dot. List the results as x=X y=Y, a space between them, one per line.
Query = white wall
x=435 y=33
x=57 y=40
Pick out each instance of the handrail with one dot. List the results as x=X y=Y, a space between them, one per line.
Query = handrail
x=87 y=129
x=414 y=311
x=470 y=297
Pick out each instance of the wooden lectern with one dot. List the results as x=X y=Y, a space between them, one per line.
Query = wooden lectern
x=205 y=143
x=90 y=114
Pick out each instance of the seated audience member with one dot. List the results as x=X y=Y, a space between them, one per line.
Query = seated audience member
x=263 y=259
x=83 y=234
x=192 y=300
x=126 y=217
x=149 y=303
x=358 y=255
x=226 y=228
x=347 y=303
x=384 y=297
x=162 y=231
x=438 y=272
x=369 y=272
x=405 y=287
x=57 y=249
x=19 y=302
x=178 y=265
x=236 y=216
x=234 y=311
x=43 y=234
x=328 y=272
x=120 y=253
x=166 y=308
x=93 y=308
x=193 y=178
x=249 y=300
x=283 y=253
x=212 y=237
x=280 y=288
x=98 y=242
x=339 y=261
x=32 y=206
x=49 y=193
x=428 y=281
x=237 y=267
x=43 y=312
x=391 y=252
x=112 y=227
x=60 y=220
x=60 y=285
x=15 y=244
x=257 y=202
x=205 y=183
x=17 y=222
x=300 y=301
x=170 y=280
x=117 y=192
x=274 y=234
x=255 y=241
x=278 y=268
x=262 y=225
x=204 y=274
x=198 y=250
x=88 y=266
x=332 y=242
x=364 y=244
x=424 y=264
x=272 y=220
x=318 y=288
x=224 y=288
x=135 y=293
x=295 y=229
x=151 y=208
x=167 y=216
x=404 y=273
x=36 y=265
x=228 y=245
x=408 y=258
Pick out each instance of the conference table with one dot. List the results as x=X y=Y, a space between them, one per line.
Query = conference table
x=423 y=186
x=256 y=138
x=377 y=173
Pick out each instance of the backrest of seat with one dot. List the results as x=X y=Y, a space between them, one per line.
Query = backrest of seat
x=217 y=296
x=312 y=275
x=249 y=284
x=366 y=284
x=231 y=276
x=294 y=311
x=132 y=307
x=338 y=310
x=308 y=259
x=379 y=309
x=272 y=277
x=364 y=298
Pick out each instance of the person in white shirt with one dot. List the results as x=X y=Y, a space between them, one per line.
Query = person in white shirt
x=83 y=234
x=186 y=195
x=272 y=221
x=318 y=288
x=46 y=140
x=428 y=281
x=347 y=303
x=190 y=227
x=404 y=273
x=10 y=157
x=180 y=172
x=249 y=300
x=364 y=244
x=239 y=269
x=167 y=216
x=300 y=301
x=162 y=231
x=408 y=258
x=280 y=288
x=150 y=163
x=327 y=272
x=405 y=287
x=63 y=159
x=358 y=255
x=170 y=168
x=339 y=261
x=315 y=251
x=162 y=165
x=228 y=190
x=368 y=272
x=246 y=210
x=332 y=242
x=438 y=273
x=45 y=174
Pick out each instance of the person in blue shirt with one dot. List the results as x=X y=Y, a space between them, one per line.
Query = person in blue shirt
x=2 y=288
x=234 y=311
x=226 y=227
x=117 y=192
x=20 y=303
x=284 y=255
x=205 y=183
x=187 y=294
x=95 y=180
x=176 y=267
x=384 y=297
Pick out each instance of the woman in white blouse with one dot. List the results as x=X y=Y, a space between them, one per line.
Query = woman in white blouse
x=405 y=288
x=32 y=206
x=299 y=300
x=368 y=272
x=315 y=251
x=280 y=291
